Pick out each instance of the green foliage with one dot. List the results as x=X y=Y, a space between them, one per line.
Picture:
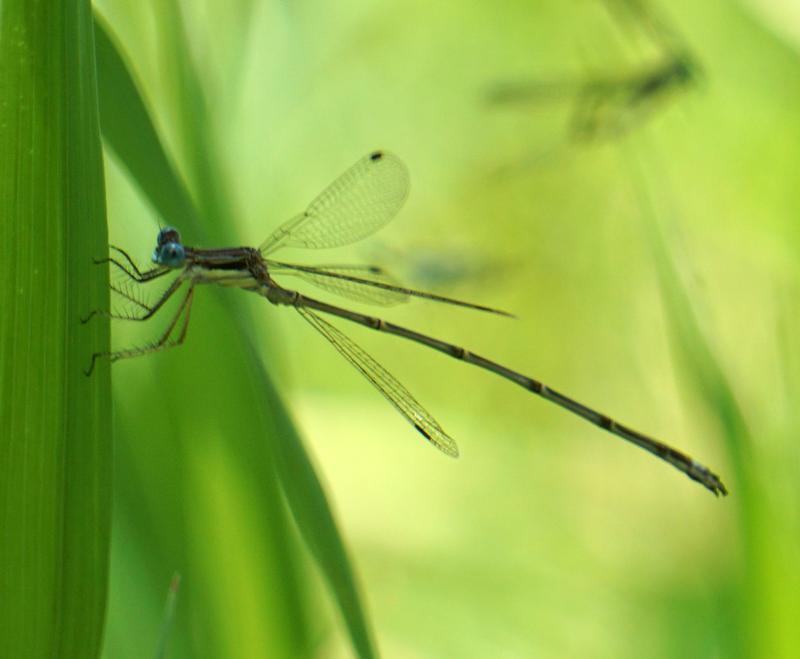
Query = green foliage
x=55 y=440
x=224 y=119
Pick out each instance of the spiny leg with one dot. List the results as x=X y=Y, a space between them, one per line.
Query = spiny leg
x=149 y=310
x=128 y=258
x=184 y=309
x=136 y=274
x=128 y=295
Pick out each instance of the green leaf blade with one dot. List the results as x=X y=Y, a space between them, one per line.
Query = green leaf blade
x=55 y=442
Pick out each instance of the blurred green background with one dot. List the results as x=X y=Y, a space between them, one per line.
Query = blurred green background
x=654 y=277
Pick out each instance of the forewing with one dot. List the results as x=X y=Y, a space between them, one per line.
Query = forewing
x=358 y=203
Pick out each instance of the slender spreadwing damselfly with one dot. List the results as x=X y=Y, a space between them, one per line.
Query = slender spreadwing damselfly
x=363 y=199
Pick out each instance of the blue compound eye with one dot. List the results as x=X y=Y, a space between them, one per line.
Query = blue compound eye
x=169 y=254
x=168 y=235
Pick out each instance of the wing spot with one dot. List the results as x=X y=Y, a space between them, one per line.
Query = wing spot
x=375 y=156
x=423 y=432
x=607 y=422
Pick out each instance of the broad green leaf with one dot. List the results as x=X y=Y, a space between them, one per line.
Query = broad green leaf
x=55 y=440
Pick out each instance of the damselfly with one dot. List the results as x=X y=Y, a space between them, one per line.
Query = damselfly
x=360 y=201
x=606 y=106
x=609 y=106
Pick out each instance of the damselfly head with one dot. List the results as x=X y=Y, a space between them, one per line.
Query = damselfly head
x=170 y=254
x=168 y=235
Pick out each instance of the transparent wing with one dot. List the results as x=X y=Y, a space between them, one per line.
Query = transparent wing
x=358 y=203
x=366 y=284
x=384 y=382
x=377 y=289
